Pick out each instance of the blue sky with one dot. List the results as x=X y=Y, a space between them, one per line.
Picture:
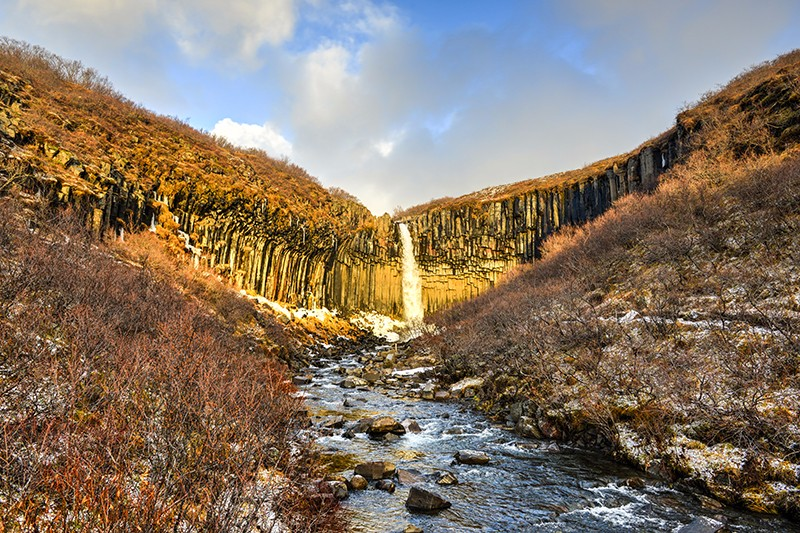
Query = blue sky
x=401 y=102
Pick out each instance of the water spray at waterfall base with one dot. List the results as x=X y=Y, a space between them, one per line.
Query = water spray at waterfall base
x=413 y=311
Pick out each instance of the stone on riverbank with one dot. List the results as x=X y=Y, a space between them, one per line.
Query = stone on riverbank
x=466 y=387
x=358 y=482
x=702 y=524
x=338 y=489
x=302 y=380
x=425 y=501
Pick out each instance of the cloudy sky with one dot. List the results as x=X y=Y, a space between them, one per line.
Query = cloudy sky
x=400 y=102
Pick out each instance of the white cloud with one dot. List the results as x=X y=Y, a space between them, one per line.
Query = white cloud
x=266 y=137
x=542 y=88
x=234 y=29
x=239 y=27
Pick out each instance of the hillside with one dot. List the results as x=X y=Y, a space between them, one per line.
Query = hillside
x=138 y=391
x=666 y=330
x=65 y=121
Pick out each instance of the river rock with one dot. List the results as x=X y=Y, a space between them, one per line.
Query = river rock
x=411 y=425
x=466 y=387
x=302 y=380
x=358 y=482
x=386 y=485
x=376 y=470
x=471 y=457
x=359 y=427
x=410 y=528
x=407 y=477
x=425 y=501
x=446 y=478
x=702 y=524
x=428 y=392
x=441 y=395
x=371 y=377
x=385 y=424
x=351 y=382
x=333 y=422
x=338 y=489
x=386 y=437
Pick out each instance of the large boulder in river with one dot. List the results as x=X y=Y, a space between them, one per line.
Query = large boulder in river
x=376 y=470
x=471 y=457
x=425 y=501
x=385 y=424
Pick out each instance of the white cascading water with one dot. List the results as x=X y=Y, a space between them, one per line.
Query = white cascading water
x=412 y=284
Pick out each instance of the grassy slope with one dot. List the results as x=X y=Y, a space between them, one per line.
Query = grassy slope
x=74 y=127
x=669 y=328
x=138 y=392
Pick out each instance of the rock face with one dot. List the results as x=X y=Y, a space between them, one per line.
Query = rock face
x=216 y=204
x=421 y=500
x=264 y=247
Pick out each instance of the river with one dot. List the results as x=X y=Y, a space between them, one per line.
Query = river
x=528 y=485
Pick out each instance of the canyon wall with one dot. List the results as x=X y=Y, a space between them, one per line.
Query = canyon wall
x=339 y=258
x=461 y=250
x=465 y=249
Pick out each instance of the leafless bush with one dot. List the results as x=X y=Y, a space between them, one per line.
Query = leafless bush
x=124 y=405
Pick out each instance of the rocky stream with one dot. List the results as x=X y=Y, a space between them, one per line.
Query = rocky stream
x=403 y=457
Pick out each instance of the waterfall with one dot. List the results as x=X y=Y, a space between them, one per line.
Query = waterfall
x=153 y=223
x=412 y=285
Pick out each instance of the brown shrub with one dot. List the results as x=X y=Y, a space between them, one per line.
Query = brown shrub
x=125 y=405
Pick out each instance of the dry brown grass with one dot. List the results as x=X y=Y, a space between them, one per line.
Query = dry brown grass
x=127 y=402
x=672 y=313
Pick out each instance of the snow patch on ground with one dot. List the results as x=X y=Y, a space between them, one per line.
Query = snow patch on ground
x=320 y=313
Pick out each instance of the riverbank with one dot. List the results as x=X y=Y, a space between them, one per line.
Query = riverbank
x=527 y=484
x=664 y=332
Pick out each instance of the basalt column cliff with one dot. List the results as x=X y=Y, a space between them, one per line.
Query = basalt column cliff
x=273 y=230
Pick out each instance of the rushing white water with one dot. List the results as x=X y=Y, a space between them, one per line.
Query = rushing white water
x=412 y=285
